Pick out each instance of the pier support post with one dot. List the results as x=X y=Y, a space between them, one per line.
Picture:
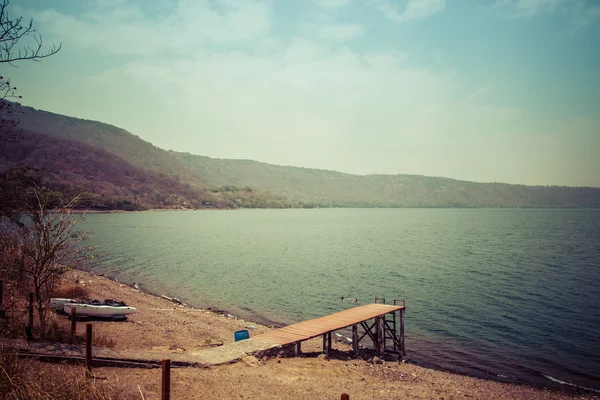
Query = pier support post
x=380 y=336
x=402 y=349
x=326 y=343
x=298 y=348
x=355 y=340
x=395 y=333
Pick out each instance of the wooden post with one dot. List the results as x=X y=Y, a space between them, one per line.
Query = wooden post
x=298 y=348
x=395 y=333
x=345 y=396
x=325 y=350
x=31 y=309
x=402 y=349
x=328 y=342
x=376 y=336
x=2 y=311
x=88 y=347
x=166 y=380
x=73 y=323
x=380 y=336
x=355 y=339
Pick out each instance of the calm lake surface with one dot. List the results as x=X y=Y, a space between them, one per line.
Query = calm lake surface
x=504 y=294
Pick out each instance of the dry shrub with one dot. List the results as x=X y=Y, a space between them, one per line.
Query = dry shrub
x=70 y=291
x=102 y=340
x=28 y=379
x=12 y=370
x=57 y=333
x=60 y=332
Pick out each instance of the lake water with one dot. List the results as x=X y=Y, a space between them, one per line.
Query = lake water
x=505 y=294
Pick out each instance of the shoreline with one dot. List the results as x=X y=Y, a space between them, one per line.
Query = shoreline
x=177 y=301
x=558 y=386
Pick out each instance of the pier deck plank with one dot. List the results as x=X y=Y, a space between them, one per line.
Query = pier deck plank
x=315 y=327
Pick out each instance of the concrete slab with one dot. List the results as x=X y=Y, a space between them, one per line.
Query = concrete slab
x=231 y=352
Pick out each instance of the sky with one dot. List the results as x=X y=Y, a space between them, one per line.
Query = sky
x=486 y=91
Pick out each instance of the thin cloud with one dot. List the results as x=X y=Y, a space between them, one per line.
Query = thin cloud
x=332 y=3
x=581 y=13
x=414 y=9
x=516 y=9
x=334 y=32
x=128 y=30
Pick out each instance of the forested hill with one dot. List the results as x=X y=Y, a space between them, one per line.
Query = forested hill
x=139 y=175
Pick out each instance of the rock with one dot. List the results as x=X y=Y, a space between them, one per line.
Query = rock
x=370 y=360
x=377 y=360
x=322 y=357
x=175 y=347
x=251 y=361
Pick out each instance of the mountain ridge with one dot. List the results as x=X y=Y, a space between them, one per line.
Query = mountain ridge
x=278 y=185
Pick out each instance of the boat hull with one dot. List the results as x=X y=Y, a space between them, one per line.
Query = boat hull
x=98 y=310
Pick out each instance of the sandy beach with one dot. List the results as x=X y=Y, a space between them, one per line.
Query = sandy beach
x=161 y=326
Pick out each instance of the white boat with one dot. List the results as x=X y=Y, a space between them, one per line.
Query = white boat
x=57 y=303
x=95 y=308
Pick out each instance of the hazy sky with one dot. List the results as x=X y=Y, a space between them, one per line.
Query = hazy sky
x=499 y=90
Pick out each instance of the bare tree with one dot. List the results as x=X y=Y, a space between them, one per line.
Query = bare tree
x=13 y=32
x=48 y=246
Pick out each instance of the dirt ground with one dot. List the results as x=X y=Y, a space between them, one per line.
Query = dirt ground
x=160 y=324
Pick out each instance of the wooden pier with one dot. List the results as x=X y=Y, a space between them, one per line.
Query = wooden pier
x=382 y=331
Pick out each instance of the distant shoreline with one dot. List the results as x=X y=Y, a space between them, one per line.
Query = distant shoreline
x=80 y=211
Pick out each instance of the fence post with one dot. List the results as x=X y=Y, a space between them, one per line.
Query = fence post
x=345 y=396
x=166 y=380
x=2 y=311
x=88 y=347
x=73 y=323
x=31 y=310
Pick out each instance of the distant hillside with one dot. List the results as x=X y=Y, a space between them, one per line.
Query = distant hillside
x=91 y=154
x=107 y=137
x=330 y=188
x=111 y=183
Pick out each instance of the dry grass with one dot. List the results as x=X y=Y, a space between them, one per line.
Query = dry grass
x=28 y=379
x=70 y=291
x=102 y=340
x=59 y=330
